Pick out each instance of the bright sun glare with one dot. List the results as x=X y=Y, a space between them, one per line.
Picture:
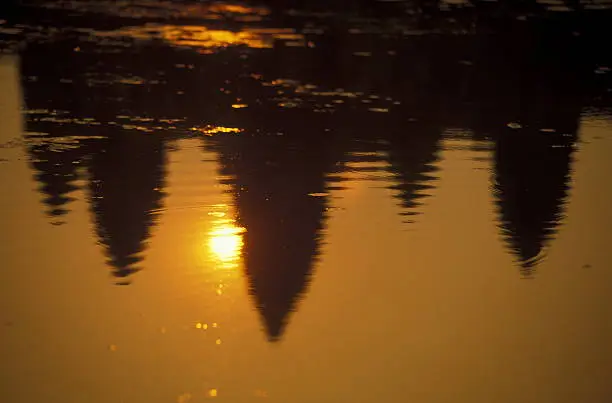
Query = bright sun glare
x=225 y=243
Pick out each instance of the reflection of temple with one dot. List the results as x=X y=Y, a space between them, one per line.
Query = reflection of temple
x=278 y=183
x=53 y=160
x=534 y=125
x=125 y=168
x=402 y=155
x=412 y=157
x=530 y=185
x=126 y=191
x=126 y=179
x=532 y=176
x=56 y=171
x=384 y=96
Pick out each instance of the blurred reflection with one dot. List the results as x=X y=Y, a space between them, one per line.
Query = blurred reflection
x=202 y=37
x=530 y=186
x=295 y=115
x=403 y=159
x=278 y=184
x=413 y=158
x=225 y=243
x=56 y=170
x=125 y=173
x=58 y=153
x=535 y=127
x=126 y=191
x=294 y=107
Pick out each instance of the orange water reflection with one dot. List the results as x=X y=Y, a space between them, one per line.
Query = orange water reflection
x=202 y=37
x=227 y=8
x=225 y=243
x=221 y=249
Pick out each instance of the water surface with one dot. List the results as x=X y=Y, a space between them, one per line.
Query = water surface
x=239 y=205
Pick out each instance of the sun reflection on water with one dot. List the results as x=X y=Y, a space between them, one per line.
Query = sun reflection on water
x=225 y=243
x=197 y=36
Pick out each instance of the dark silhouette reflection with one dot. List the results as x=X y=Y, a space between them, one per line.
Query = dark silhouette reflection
x=57 y=154
x=402 y=157
x=534 y=126
x=56 y=171
x=79 y=121
x=126 y=191
x=413 y=158
x=278 y=183
x=54 y=154
x=530 y=187
x=371 y=85
x=126 y=180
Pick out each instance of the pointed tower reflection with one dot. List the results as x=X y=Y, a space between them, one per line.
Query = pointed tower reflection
x=413 y=154
x=532 y=163
x=55 y=167
x=278 y=183
x=531 y=183
x=56 y=152
x=54 y=156
x=127 y=174
x=527 y=93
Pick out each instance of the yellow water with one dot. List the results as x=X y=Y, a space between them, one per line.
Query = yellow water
x=243 y=221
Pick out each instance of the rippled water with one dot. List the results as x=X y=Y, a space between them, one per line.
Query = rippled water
x=228 y=201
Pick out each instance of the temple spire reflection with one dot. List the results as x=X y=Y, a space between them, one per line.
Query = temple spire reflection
x=55 y=170
x=412 y=157
x=534 y=126
x=531 y=185
x=278 y=184
x=532 y=162
x=126 y=192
